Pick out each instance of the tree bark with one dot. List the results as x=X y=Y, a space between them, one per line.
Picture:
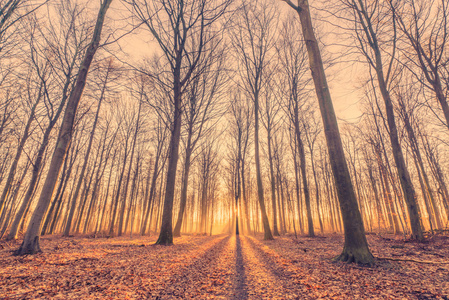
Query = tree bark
x=83 y=169
x=404 y=177
x=30 y=244
x=166 y=232
x=260 y=195
x=273 y=183
x=185 y=179
x=432 y=207
x=128 y=177
x=356 y=246
x=12 y=170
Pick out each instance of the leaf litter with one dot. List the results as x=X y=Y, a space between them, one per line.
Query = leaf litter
x=223 y=267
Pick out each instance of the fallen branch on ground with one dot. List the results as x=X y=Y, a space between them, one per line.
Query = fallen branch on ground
x=413 y=260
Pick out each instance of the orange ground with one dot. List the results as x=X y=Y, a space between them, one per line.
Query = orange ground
x=223 y=267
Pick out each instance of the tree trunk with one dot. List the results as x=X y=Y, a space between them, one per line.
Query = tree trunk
x=166 y=232
x=298 y=189
x=273 y=185
x=356 y=247
x=305 y=185
x=432 y=207
x=393 y=215
x=12 y=170
x=404 y=176
x=56 y=203
x=266 y=225
x=30 y=244
x=13 y=200
x=317 y=191
x=98 y=177
x=103 y=211
x=133 y=195
x=245 y=198
x=31 y=186
x=128 y=177
x=150 y=205
x=185 y=180
x=116 y=202
x=437 y=173
x=204 y=188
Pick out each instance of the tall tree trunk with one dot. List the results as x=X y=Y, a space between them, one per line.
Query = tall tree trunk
x=376 y=194
x=128 y=177
x=245 y=197
x=328 y=186
x=150 y=199
x=281 y=201
x=356 y=246
x=298 y=188
x=30 y=244
x=12 y=169
x=273 y=185
x=437 y=173
x=84 y=199
x=238 y=187
x=73 y=157
x=317 y=191
x=404 y=177
x=133 y=196
x=99 y=225
x=305 y=185
x=434 y=211
x=31 y=186
x=85 y=196
x=18 y=219
x=83 y=169
x=393 y=215
x=203 y=206
x=166 y=232
x=99 y=176
x=13 y=200
x=116 y=201
x=51 y=213
x=185 y=179
x=260 y=195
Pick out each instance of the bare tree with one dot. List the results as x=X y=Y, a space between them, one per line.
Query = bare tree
x=184 y=31
x=30 y=244
x=367 y=28
x=425 y=24
x=108 y=70
x=271 y=121
x=13 y=14
x=239 y=131
x=25 y=135
x=356 y=247
x=157 y=167
x=54 y=59
x=254 y=40
x=202 y=113
x=408 y=111
x=293 y=57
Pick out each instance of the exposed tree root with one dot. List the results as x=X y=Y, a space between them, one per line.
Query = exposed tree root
x=359 y=257
x=31 y=247
x=414 y=260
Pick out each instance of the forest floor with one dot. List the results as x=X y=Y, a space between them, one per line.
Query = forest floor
x=223 y=267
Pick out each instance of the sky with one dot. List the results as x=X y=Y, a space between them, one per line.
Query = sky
x=343 y=75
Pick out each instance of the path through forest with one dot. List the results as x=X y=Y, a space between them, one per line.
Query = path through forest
x=234 y=268
x=223 y=267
